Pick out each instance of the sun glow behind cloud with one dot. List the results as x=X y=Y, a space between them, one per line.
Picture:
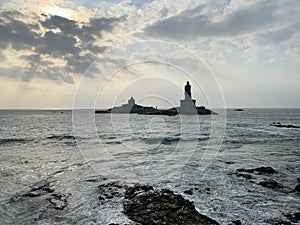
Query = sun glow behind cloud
x=58 y=11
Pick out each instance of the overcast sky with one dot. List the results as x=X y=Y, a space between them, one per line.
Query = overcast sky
x=251 y=48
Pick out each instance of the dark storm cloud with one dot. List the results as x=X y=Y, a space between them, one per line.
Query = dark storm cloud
x=64 y=39
x=14 y=32
x=189 y=26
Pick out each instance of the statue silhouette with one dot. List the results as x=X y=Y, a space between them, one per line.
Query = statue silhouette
x=187 y=91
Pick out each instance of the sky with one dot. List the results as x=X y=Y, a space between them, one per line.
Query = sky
x=60 y=53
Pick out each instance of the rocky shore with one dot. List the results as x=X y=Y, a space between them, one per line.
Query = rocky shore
x=140 y=204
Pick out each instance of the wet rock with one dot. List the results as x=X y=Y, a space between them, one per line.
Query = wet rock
x=207 y=189
x=111 y=190
x=298 y=179
x=237 y=222
x=33 y=194
x=229 y=162
x=297 y=188
x=58 y=204
x=59 y=201
x=278 y=124
x=259 y=170
x=40 y=185
x=188 y=192
x=145 y=205
x=278 y=221
x=247 y=176
x=295 y=217
x=270 y=184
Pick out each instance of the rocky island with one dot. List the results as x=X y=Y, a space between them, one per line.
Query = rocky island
x=187 y=106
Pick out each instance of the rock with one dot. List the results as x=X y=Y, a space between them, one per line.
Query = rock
x=40 y=185
x=278 y=124
x=33 y=194
x=111 y=190
x=297 y=188
x=277 y=221
x=145 y=205
x=270 y=184
x=229 y=162
x=259 y=170
x=58 y=203
x=188 y=192
x=237 y=222
x=295 y=217
x=247 y=176
x=207 y=189
x=298 y=179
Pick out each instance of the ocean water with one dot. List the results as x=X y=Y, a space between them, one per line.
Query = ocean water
x=76 y=152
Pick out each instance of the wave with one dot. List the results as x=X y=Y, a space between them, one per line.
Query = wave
x=14 y=140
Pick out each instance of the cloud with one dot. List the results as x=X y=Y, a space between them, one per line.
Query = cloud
x=245 y=20
x=54 y=37
x=279 y=35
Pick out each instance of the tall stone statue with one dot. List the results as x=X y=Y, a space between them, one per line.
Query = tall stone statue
x=187 y=91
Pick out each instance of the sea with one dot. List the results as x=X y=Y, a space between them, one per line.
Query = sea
x=78 y=150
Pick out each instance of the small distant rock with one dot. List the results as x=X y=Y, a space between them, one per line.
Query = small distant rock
x=33 y=194
x=260 y=170
x=277 y=221
x=295 y=217
x=247 y=176
x=59 y=201
x=229 y=162
x=237 y=222
x=278 y=124
x=270 y=184
x=188 y=192
x=297 y=188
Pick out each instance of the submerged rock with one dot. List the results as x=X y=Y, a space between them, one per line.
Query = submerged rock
x=278 y=221
x=260 y=170
x=270 y=184
x=188 y=192
x=297 y=188
x=247 y=176
x=295 y=217
x=149 y=206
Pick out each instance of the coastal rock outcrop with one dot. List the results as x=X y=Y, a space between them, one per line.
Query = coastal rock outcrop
x=146 y=205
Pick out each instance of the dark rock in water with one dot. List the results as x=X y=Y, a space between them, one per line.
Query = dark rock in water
x=278 y=221
x=237 y=222
x=297 y=188
x=260 y=170
x=145 y=205
x=229 y=162
x=33 y=194
x=58 y=204
x=59 y=201
x=295 y=217
x=238 y=110
x=278 y=124
x=188 y=192
x=247 y=176
x=270 y=184
x=207 y=189
x=298 y=179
